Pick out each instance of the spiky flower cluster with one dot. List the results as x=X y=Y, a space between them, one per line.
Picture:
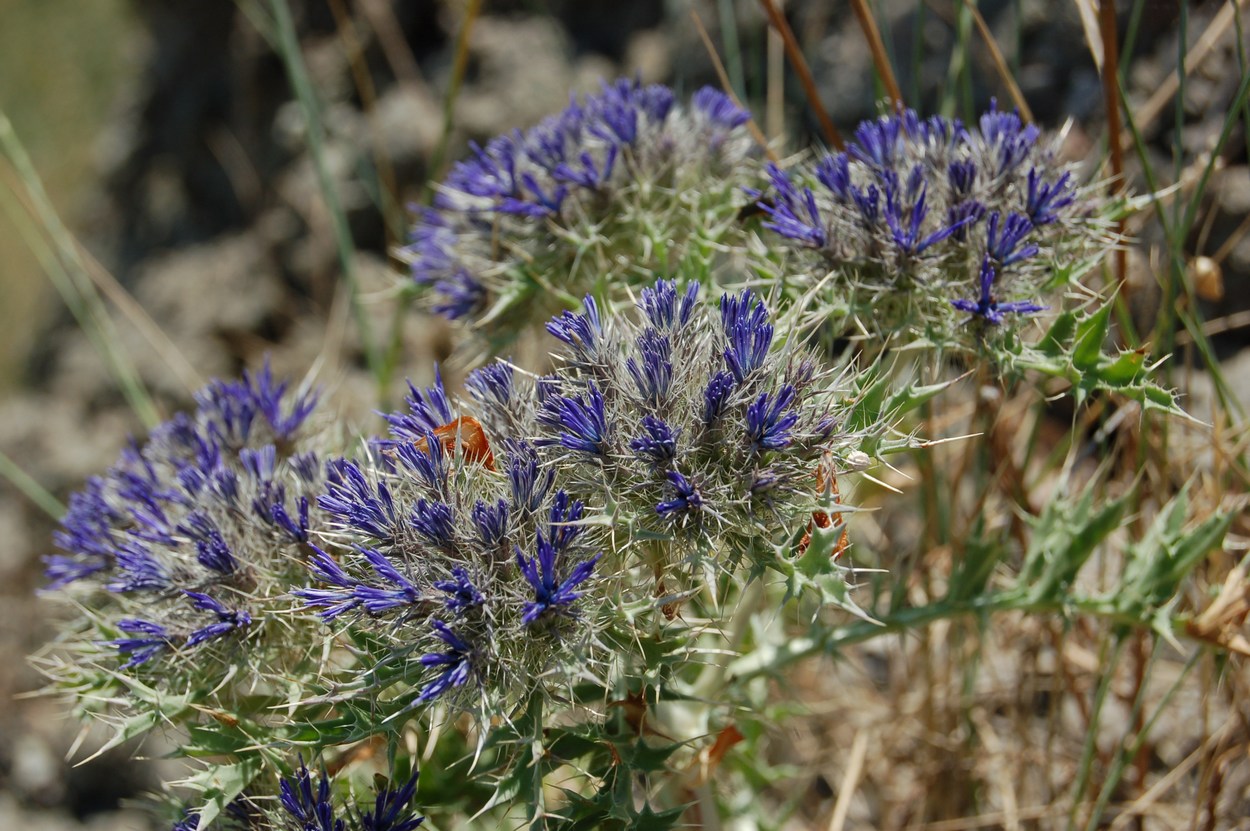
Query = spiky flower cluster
x=182 y=553
x=302 y=805
x=305 y=808
x=703 y=425
x=618 y=185
x=503 y=543
x=919 y=218
x=462 y=545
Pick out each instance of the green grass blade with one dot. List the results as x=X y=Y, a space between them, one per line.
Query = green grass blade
x=297 y=73
x=54 y=247
x=32 y=490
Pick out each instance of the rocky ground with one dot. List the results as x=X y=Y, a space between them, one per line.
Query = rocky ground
x=207 y=212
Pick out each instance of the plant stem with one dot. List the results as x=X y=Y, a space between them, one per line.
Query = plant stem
x=765 y=660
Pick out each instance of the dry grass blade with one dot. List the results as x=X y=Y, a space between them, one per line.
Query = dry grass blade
x=879 y=57
x=1000 y=63
x=1142 y=804
x=32 y=209
x=850 y=781
x=116 y=294
x=403 y=63
x=1111 y=101
x=30 y=488
x=1222 y=622
x=1088 y=12
x=368 y=99
x=756 y=133
x=795 y=55
x=1148 y=112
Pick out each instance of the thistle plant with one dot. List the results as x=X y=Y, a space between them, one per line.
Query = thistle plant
x=571 y=590
x=622 y=184
x=179 y=562
x=529 y=541
x=935 y=229
x=308 y=801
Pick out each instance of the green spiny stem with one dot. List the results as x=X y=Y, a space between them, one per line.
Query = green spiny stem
x=712 y=678
x=767 y=661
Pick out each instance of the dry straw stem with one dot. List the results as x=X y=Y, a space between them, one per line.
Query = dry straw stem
x=403 y=63
x=795 y=55
x=288 y=47
x=759 y=136
x=1111 y=101
x=387 y=188
x=879 y=57
x=850 y=781
x=1000 y=63
x=1154 y=106
x=459 y=66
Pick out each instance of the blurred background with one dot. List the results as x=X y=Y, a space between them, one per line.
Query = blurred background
x=170 y=142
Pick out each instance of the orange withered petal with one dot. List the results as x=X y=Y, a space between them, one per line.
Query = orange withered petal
x=473 y=444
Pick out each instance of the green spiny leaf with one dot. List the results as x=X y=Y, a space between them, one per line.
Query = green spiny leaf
x=1090 y=335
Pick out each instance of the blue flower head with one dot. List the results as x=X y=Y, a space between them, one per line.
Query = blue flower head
x=461 y=593
x=427 y=410
x=350 y=499
x=551 y=595
x=1006 y=239
x=739 y=402
x=581 y=418
x=529 y=478
x=583 y=332
x=792 y=211
x=748 y=331
x=186 y=549
x=652 y=370
x=392 y=808
x=608 y=170
x=146 y=640
x=658 y=442
x=719 y=109
x=455 y=663
x=491 y=522
x=312 y=809
x=895 y=228
x=227 y=620
x=491 y=384
x=665 y=311
x=986 y=307
x=685 y=496
x=770 y=419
